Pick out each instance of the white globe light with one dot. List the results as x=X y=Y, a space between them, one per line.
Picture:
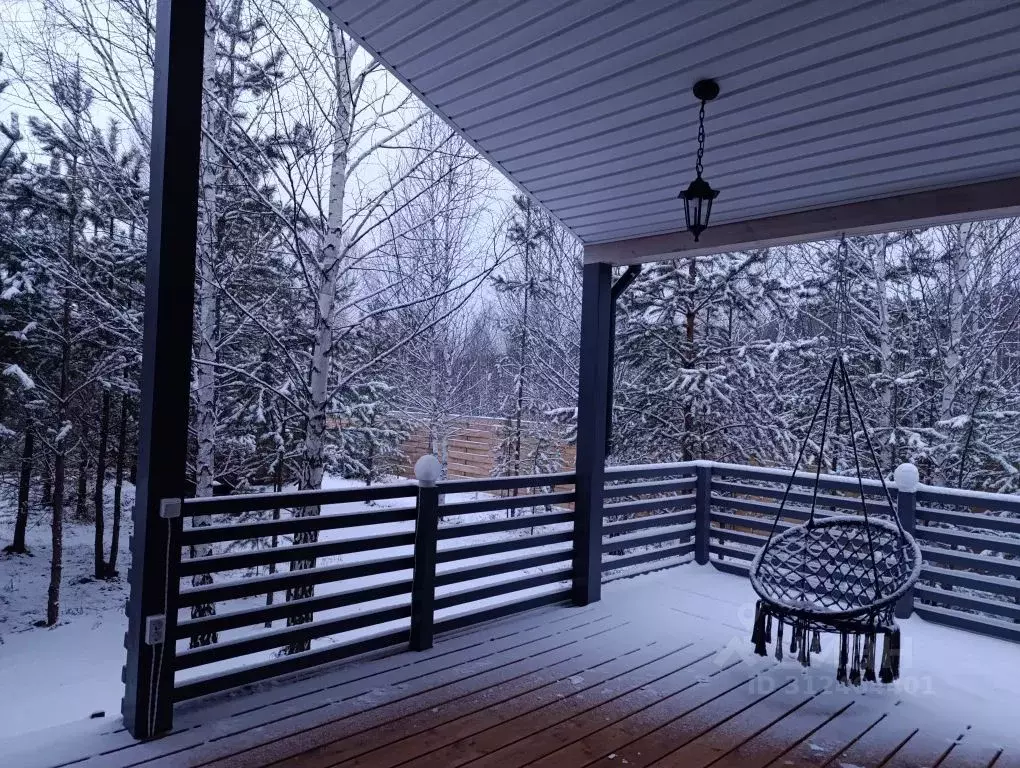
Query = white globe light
x=906 y=477
x=428 y=470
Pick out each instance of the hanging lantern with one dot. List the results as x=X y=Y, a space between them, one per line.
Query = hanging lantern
x=699 y=195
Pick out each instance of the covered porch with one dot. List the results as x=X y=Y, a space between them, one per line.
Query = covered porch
x=864 y=118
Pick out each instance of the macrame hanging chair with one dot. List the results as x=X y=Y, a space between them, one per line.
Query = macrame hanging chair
x=836 y=574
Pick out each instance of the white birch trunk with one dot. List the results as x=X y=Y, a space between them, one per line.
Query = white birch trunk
x=205 y=372
x=328 y=269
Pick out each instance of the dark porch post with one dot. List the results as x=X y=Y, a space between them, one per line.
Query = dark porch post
x=166 y=356
x=592 y=401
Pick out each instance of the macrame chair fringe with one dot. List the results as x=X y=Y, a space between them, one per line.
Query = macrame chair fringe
x=841 y=669
x=841 y=574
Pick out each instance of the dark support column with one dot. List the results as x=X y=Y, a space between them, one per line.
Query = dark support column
x=592 y=396
x=166 y=357
x=702 y=512
x=426 y=535
x=621 y=285
x=907 y=480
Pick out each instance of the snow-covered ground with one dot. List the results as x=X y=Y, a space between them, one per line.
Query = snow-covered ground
x=57 y=674
x=68 y=672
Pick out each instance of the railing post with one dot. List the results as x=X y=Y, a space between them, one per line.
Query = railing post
x=166 y=356
x=592 y=397
x=906 y=478
x=427 y=470
x=702 y=512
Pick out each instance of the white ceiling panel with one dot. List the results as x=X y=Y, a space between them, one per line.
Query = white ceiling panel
x=586 y=104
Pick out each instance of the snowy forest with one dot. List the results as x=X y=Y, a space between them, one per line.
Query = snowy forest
x=362 y=273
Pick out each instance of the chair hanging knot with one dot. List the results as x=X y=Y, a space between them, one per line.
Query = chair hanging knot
x=779 y=641
x=816 y=642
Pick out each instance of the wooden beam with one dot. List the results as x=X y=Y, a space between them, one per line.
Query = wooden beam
x=592 y=396
x=147 y=706
x=971 y=202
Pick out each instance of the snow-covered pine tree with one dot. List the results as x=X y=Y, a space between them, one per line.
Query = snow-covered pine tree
x=697 y=345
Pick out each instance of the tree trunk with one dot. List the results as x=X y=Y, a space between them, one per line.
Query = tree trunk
x=328 y=270
x=885 y=345
x=118 y=486
x=81 y=507
x=952 y=363
x=205 y=371
x=277 y=487
x=24 y=484
x=688 y=452
x=59 y=459
x=47 y=480
x=98 y=493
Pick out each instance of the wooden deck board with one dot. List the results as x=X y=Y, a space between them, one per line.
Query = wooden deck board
x=604 y=686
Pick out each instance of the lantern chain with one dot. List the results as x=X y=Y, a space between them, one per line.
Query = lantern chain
x=701 y=138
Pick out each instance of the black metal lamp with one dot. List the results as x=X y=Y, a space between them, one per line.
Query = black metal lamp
x=699 y=195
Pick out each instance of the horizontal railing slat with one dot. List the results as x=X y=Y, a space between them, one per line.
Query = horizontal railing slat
x=1003 y=502
x=803 y=499
x=992 y=565
x=505 y=502
x=628 y=561
x=508 y=524
x=208 y=684
x=965 y=539
x=674 y=503
x=278 y=638
x=764 y=509
x=211 y=534
x=632 y=472
x=656 y=486
x=803 y=479
x=738 y=537
x=969 y=520
x=496 y=547
x=498 y=567
x=255 y=502
x=618 y=543
x=507 y=483
x=643 y=523
x=993 y=584
x=969 y=621
x=293 y=552
x=460 y=597
x=233 y=619
x=260 y=585
x=500 y=611
x=747 y=521
x=736 y=567
x=954 y=599
x=723 y=551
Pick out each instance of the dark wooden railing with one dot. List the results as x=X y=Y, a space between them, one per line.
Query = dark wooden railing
x=387 y=565
x=648 y=518
x=422 y=560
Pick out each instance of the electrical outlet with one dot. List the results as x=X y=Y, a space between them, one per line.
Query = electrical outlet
x=169 y=508
x=155 y=629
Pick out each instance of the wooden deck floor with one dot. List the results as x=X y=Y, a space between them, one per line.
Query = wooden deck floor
x=613 y=684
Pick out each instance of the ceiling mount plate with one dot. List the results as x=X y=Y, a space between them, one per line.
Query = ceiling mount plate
x=706 y=90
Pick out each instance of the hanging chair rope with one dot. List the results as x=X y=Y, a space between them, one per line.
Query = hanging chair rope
x=841 y=574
